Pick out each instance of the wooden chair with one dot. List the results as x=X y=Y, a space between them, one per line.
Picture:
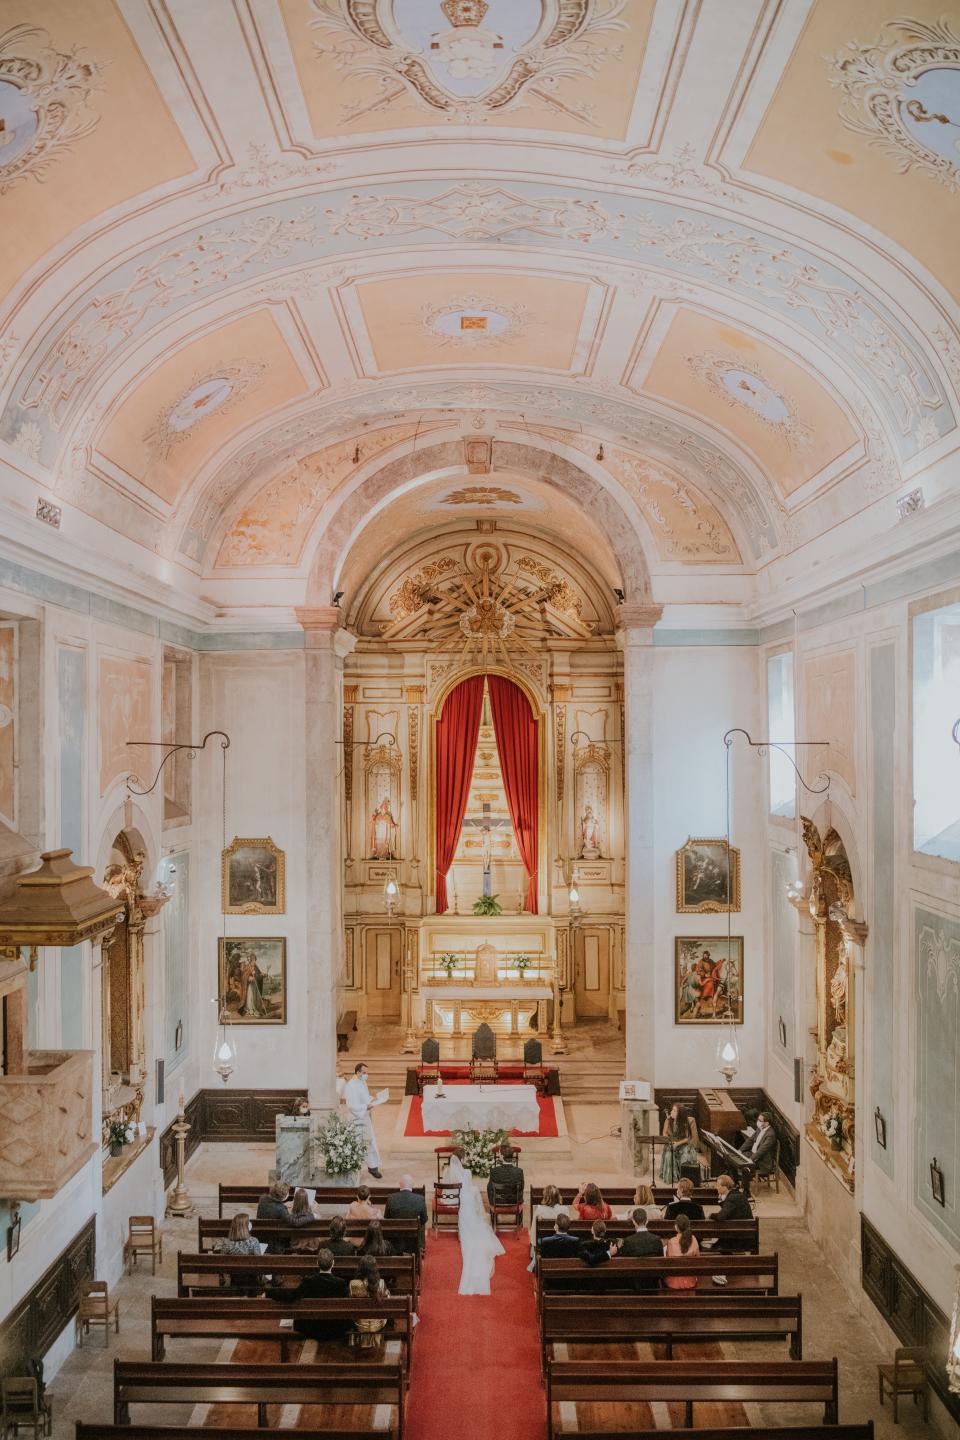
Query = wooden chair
x=773 y=1176
x=20 y=1405
x=906 y=1376
x=506 y=1203
x=428 y=1071
x=446 y=1205
x=96 y=1309
x=444 y=1154
x=143 y=1237
x=534 y=1070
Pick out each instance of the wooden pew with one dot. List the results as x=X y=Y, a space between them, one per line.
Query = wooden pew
x=247 y=1195
x=755 y=1274
x=203 y=1275
x=154 y=1383
x=754 y=1432
x=85 y=1431
x=662 y=1317
x=227 y=1319
x=404 y=1233
x=626 y=1382
x=620 y=1197
x=743 y=1235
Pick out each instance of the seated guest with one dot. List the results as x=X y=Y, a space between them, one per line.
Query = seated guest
x=369 y=1285
x=684 y=1203
x=506 y=1173
x=560 y=1245
x=549 y=1208
x=642 y=1198
x=734 y=1205
x=301 y=1214
x=239 y=1241
x=683 y=1245
x=361 y=1208
x=375 y=1242
x=405 y=1204
x=760 y=1148
x=641 y=1244
x=272 y=1206
x=320 y=1284
x=337 y=1242
x=590 y=1204
x=596 y=1250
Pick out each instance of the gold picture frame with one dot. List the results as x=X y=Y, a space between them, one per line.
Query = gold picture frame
x=708 y=979
x=252 y=978
x=702 y=880
x=253 y=877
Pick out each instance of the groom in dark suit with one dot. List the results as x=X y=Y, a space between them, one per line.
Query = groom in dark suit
x=405 y=1204
x=506 y=1173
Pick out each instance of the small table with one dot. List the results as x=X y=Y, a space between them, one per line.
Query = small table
x=481 y=1107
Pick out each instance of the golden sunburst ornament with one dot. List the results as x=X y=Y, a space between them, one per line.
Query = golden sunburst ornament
x=486 y=616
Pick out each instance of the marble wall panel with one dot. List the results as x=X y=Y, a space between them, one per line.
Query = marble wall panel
x=936 y=945
x=830 y=715
x=176 y=949
x=880 y=972
x=123 y=714
x=783 y=942
x=8 y=680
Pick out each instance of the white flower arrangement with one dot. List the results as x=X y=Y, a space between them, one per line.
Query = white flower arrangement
x=832 y=1125
x=477 y=1147
x=343 y=1146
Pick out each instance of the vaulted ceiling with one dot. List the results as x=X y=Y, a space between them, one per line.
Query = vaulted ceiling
x=288 y=282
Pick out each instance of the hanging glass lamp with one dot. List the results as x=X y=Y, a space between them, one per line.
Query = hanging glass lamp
x=224 y=1046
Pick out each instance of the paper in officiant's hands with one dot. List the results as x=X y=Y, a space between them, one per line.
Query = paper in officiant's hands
x=381 y=1098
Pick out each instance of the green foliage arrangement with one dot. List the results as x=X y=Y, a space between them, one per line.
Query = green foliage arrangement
x=477 y=1147
x=487 y=905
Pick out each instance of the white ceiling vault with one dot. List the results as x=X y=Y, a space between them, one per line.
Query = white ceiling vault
x=287 y=282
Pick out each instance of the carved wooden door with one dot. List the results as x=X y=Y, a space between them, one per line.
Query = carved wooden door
x=382 y=982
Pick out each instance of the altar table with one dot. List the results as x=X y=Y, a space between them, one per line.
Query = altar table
x=481 y=1107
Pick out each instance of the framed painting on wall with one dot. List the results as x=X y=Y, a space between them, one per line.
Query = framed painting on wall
x=253 y=880
x=708 y=979
x=708 y=877
x=253 y=979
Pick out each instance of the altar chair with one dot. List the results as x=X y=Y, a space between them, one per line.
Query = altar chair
x=506 y=1204
x=444 y=1154
x=483 y=1054
x=446 y=1205
x=906 y=1376
x=428 y=1071
x=534 y=1070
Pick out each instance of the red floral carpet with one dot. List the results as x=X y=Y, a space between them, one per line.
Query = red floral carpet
x=476 y=1361
x=547 y=1129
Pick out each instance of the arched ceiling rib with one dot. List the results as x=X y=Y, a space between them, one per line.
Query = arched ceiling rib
x=265 y=251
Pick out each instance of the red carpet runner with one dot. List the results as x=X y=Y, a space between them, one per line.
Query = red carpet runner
x=476 y=1368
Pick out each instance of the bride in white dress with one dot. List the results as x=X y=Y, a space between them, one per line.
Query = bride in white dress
x=479 y=1245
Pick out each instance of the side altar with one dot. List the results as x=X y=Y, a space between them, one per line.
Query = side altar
x=473 y=970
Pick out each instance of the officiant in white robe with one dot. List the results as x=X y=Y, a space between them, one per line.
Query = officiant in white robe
x=357 y=1099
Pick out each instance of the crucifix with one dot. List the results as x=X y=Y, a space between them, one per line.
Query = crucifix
x=486 y=825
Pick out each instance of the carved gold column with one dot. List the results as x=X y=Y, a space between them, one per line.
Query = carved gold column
x=410 y=964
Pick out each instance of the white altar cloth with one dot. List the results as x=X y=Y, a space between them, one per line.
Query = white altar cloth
x=481 y=1107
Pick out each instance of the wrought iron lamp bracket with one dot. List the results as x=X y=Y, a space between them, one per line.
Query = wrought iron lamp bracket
x=763 y=747
x=173 y=748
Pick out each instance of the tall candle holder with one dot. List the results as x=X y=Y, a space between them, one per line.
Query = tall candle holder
x=180 y=1203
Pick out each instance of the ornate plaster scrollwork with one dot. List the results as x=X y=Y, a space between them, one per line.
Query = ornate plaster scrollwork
x=44 y=103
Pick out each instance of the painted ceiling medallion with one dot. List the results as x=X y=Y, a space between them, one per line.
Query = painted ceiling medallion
x=44 y=103
x=491 y=55
x=903 y=93
x=741 y=383
x=484 y=615
x=481 y=495
x=204 y=395
x=474 y=320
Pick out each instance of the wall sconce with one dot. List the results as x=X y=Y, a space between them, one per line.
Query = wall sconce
x=880 y=1125
x=390 y=892
x=936 y=1183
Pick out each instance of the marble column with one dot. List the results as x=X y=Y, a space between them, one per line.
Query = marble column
x=325 y=646
x=635 y=637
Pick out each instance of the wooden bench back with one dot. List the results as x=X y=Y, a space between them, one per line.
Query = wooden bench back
x=223 y=1318
x=405 y=1233
x=85 y=1431
x=751 y=1272
x=622 y=1195
x=744 y=1234
x=662 y=1316
x=637 y=1382
x=755 y=1432
x=247 y=1195
x=399 y=1271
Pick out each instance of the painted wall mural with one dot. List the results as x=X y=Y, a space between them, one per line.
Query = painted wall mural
x=123 y=713
x=936 y=1046
x=880 y=974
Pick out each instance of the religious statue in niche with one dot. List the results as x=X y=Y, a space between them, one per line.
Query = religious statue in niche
x=383 y=832
x=589 y=835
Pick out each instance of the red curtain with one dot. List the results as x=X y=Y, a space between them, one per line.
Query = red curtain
x=515 y=727
x=457 y=731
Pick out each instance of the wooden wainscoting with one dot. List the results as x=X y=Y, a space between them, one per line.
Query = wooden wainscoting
x=749 y=1100
x=227 y=1115
x=36 y=1320
x=907 y=1308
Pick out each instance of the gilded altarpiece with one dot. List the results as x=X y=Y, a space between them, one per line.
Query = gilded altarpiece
x=831 y=1128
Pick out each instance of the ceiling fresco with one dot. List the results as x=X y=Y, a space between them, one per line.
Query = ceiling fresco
x=692 y=266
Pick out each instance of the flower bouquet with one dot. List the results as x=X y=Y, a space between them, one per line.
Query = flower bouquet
x=342 y=1147
x=449 y=962
x=477 y=1149
x=121 y=1133
x=832 y=1127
